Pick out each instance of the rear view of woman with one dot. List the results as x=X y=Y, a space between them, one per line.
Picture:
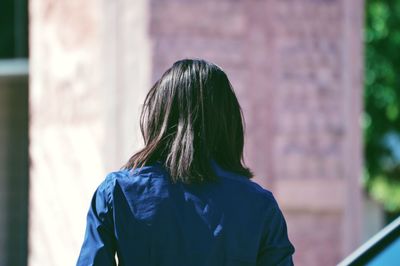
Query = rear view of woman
x=186 y=198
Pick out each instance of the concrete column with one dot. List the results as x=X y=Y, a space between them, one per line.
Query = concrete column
x=89 y=71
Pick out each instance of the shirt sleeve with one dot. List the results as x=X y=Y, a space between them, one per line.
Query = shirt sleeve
x=99 y=243
x=275 y=248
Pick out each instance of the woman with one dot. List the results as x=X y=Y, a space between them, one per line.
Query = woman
x=186 y=198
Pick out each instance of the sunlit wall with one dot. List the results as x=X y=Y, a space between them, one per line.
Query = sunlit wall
x=296 y=67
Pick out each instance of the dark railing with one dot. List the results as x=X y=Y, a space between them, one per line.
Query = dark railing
x=382 y=249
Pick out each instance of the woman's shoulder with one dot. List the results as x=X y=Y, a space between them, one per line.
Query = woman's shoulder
x=244 y=184
x=138 y=179
x=154 y=170
x=255 y=191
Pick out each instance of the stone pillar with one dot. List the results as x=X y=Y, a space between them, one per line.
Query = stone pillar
x=296 y=68
x=89 y=69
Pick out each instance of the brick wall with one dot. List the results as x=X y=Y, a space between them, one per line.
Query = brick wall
x=296 y=68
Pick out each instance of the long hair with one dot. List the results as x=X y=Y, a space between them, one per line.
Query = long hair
x=190 y=118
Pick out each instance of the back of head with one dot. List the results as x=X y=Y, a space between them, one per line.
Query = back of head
x=190 y=118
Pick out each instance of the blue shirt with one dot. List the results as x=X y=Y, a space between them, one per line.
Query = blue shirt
x=146 y=220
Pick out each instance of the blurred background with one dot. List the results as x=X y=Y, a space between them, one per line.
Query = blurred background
x=317 y=80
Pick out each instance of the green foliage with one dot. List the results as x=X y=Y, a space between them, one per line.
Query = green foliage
x=382 y=101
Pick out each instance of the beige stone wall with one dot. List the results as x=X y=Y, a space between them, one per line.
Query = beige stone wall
x=89 y=64
x=296 y=68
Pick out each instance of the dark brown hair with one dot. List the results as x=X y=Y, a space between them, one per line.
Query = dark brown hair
x=190 y=118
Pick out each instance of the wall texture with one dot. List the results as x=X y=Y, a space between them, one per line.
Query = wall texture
x=88 y=71
x=296 y=67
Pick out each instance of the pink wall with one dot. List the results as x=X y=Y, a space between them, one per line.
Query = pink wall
x=296 y=67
